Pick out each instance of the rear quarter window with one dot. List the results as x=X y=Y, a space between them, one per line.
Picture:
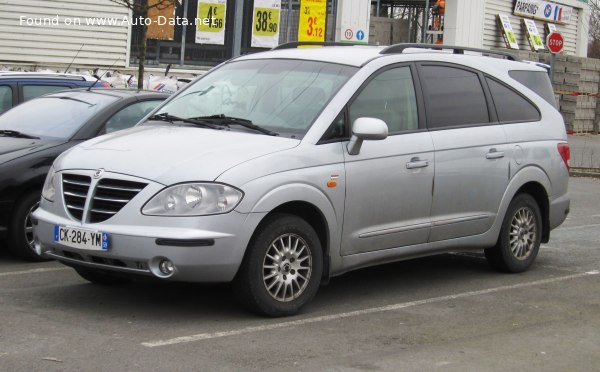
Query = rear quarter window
x=538 y=81
x=510 y=105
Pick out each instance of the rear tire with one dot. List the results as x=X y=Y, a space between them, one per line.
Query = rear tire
x=520 y=236
x=282 y=269
x=20 y=234
x=101 y=277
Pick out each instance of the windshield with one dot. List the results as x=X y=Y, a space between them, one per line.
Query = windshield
x=56 y=116
x=283 y=96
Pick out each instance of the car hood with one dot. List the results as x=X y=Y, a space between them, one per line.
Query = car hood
x=172 y=154
x=12 y=148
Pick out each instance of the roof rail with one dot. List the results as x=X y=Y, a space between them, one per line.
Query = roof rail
x=399 y=48
x=296 y=44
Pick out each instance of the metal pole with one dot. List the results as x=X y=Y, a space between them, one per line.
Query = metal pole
x=425 y=22
x=378 y=7
x=183 y=33
x=289 y=22
x=552 y=61
x=237 y=28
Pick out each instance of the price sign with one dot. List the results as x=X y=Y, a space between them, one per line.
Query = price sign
x=210 y=22
x=265 y=28
x=313 y=14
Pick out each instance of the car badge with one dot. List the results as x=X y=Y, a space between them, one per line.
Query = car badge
x=98 y=173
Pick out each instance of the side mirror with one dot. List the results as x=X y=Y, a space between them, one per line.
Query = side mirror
x=366 y=129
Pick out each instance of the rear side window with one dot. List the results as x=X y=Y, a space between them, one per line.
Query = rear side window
x=510 y=105
x=33 y=91
x=6 y=98
x=538 y=81
x=454 y=97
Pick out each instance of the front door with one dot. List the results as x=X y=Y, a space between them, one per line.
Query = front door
x=389 y=183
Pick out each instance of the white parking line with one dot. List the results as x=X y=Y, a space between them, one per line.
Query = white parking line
x=578 y=227
x=404 y=305
x=34 y=271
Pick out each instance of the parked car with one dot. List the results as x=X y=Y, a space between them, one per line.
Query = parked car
x=279 y=170
x=18 y=87
x=33 y=134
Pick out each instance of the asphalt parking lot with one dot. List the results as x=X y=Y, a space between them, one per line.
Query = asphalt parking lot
x=450 y=312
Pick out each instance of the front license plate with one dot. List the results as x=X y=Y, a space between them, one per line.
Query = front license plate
x=80 y=238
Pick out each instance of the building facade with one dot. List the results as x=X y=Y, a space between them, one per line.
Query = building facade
x=60 y=32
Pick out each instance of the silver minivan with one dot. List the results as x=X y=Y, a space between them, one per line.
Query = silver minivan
x=281 y=169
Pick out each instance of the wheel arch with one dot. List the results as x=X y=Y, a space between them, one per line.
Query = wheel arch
x=535 y=182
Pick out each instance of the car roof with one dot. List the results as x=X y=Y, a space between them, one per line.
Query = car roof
x=20 y=75
x=359 y=55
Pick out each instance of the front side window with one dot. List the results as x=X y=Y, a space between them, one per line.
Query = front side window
x=33 y=91
x=389 y=96
x=129 y=116
x=6 y=98
x=284 y=96
x=454 y=97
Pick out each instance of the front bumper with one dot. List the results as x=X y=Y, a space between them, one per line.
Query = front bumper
x=210 y=254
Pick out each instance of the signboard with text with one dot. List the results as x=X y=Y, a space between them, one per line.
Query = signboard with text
x=353 y=19
x=555 y=42
x=210 y=22
x=265 y=27
x=508 y=34
x=313 y=15
x=533 y=36
x=543 y=10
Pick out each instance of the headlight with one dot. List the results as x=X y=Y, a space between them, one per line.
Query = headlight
x=193 y=199
x=48 y=192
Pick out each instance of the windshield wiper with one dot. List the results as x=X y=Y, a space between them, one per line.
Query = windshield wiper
x=171 y=119
x=15 y=134
x=222 y=119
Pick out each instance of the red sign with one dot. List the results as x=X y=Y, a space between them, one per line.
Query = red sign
x=555 y=42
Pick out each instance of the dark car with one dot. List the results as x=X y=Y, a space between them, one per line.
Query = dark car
x=19 y=87
x=33 y=134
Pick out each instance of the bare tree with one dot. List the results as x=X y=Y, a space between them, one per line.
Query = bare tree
x=140 y=8
x=594 y=30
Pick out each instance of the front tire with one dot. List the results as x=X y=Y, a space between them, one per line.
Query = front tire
x=282 y=269
x=520 y=236
x=20 y=238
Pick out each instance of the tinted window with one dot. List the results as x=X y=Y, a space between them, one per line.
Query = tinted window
x=510 y=105
x=390 y=96
x=454 y=97
x=6 y=98
x=129 y=116
x=537 y=81
x=57 y=116
x=33 y=91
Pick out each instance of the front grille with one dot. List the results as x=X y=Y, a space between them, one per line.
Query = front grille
x=111 y=195
x=75 y=190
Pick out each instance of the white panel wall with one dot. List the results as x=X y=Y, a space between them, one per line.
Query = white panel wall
x=53 y=44
x=464 y=22
x=574 y=44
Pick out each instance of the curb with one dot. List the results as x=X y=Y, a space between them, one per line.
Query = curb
x=585 y=172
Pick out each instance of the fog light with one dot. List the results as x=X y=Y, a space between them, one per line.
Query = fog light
x=166 y=267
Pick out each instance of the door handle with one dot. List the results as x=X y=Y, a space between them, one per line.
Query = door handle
x=494 y=154
x=417 y=163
